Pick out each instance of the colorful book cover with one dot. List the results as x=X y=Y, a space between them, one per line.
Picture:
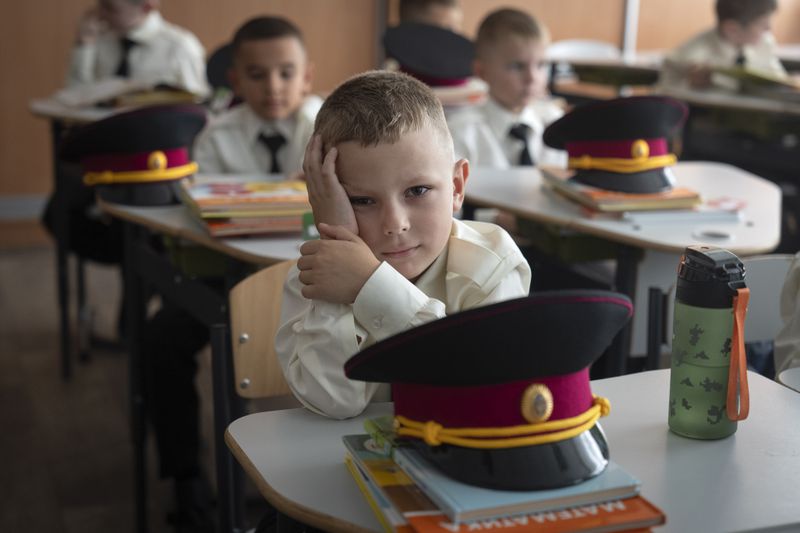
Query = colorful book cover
x=617 y=515
x=612 y=201
x=389 y=481
x=463 y=503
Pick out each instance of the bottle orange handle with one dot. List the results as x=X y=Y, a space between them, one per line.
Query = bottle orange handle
x=737 y=372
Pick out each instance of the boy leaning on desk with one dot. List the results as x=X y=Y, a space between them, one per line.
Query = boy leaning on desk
x=383 y=183
x=266 y=134
x=741 y=38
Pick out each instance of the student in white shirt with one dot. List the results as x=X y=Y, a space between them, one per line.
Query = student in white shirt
x=129 y=38
x=506 y=130
x=384 y=184
x=271 y=73
x=741 y=38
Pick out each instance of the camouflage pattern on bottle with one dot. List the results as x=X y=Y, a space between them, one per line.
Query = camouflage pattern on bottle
x=701 y=352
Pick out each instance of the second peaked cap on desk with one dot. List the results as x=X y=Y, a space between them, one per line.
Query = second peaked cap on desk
x=499 y=396
x=433 y=55
x=137 y=157
x=621 y=144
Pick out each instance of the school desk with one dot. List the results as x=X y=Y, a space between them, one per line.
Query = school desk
x=62 y=117
x=746 y=482
x=520 y=191
x=143 y=266
x=790 y=377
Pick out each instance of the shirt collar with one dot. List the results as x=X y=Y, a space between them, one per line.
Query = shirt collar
x=148 y=29
x=501 y=119
x=254 y=125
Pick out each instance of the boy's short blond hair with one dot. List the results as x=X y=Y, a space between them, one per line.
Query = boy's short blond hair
x=507 y=22
x=379 y=107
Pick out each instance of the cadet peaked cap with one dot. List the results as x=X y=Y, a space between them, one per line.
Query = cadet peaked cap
x=499 y=396
x=621 y=144
x=433 y=55
x=136 y=157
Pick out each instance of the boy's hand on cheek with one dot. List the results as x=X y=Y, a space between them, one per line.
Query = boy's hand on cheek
x=329 y=201
x=336 y=268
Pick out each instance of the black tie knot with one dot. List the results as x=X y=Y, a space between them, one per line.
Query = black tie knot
x=123 y=69
x=521 y=132
x=273 y=143
x=740 y=59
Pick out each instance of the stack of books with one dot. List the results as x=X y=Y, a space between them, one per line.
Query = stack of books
x=408 y=494
x=679 y=204
x=242 y=205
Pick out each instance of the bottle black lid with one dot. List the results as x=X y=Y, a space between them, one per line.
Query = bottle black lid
x=709 y=276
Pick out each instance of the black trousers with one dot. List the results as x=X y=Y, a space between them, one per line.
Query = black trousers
x=171 y=341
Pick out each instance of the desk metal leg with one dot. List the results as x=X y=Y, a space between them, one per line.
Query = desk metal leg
x=229 y=479
x=134 y=289
x=625 y=282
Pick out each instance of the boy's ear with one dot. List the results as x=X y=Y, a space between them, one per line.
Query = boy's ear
x=233 y=78
x=460 y=175
x=308 y=77
x=477 y=68
x=730 y=30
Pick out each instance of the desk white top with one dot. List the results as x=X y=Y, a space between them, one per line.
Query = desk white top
x=520 y=191
x=734 y=101
x=791 y=378
x=745 y=482
x=53 y=109
x=178 y=221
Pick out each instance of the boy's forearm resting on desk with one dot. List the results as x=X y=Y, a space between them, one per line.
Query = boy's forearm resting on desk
x=317 y=337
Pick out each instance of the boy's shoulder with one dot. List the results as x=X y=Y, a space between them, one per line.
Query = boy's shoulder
x=485 y=238
x=178 y=34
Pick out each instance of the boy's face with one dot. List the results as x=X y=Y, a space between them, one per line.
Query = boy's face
x=272 y=76
x=748 y=34
x=515 y=70
x=404 y=196
x=122 y=15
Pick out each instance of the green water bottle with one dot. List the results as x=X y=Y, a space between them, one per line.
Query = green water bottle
x=708 y=378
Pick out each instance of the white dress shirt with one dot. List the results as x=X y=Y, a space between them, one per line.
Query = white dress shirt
x=787 y=341
x=229 y=143
x=164 y=53
x=710 y=49
x=480 y=265
x=481 y=134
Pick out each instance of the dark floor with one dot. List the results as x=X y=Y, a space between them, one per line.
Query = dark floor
x=65 y=447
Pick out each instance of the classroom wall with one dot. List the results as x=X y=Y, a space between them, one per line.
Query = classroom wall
x=341 y=40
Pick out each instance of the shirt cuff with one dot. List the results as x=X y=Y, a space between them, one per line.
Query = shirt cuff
x=387 y=303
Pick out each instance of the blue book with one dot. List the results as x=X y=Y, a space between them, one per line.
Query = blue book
x=462 y=502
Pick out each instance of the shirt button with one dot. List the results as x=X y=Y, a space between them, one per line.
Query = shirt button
x=377 y=322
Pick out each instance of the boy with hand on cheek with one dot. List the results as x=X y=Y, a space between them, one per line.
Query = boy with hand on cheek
x=383 y=183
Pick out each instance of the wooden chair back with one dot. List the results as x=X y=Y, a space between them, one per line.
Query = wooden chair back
x=255 y=311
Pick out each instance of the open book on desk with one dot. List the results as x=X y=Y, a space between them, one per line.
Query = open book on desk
x=615 y=202
x=121 y=92
x=763 y=84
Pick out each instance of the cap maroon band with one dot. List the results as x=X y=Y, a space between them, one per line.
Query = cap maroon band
x=616 y=148
x=128 y=162
x=433 y=81
x=490 y=405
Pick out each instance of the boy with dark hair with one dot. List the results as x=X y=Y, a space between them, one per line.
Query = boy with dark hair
x=741 y=38
x=507 y=129
x=383 y=183
x=268 y=132
x=130 y=39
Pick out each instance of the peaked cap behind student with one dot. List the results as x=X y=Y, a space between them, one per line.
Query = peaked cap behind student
x=137 y=157
x=433 y=55
x=499 y=396
x=621 y=144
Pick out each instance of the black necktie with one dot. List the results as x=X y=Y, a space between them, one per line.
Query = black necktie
x=273 y=144
x=521 y=132
x=740 y=59
x=123 y=69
